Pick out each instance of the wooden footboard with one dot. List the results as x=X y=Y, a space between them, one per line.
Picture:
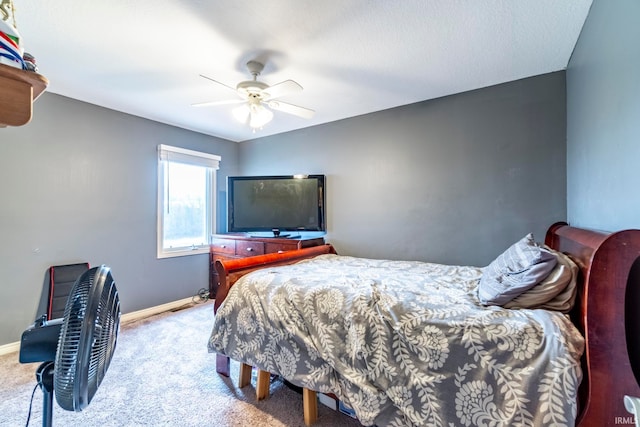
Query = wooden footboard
x=229 y=271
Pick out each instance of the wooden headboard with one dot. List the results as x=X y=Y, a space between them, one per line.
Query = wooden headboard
x=608 y=315
x=606 y=312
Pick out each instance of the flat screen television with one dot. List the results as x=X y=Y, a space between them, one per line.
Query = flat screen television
x=276 y=203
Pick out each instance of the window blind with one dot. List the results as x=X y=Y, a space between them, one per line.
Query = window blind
x=182 y=155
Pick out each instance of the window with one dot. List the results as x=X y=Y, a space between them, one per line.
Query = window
x=186 y=201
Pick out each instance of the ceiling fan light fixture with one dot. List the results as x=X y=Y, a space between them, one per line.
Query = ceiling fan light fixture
x=241 y=113
x=254 y=113
x=260 y=116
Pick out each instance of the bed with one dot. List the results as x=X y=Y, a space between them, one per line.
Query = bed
x=504 y=367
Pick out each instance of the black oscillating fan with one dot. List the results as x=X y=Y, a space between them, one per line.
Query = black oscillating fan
x=76 y=349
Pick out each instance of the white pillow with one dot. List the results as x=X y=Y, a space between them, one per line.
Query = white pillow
x=556 y=292
x=515 y=271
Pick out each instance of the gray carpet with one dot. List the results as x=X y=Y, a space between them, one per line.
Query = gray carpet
x=162 y=375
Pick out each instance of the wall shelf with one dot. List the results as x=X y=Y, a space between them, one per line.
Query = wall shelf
x=19 y=89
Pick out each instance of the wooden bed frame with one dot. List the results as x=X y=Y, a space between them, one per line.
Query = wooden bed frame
x=607 y=312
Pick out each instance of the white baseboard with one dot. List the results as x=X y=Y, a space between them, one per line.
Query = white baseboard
x=125 y=318
x=146 y=312
x=9 y=348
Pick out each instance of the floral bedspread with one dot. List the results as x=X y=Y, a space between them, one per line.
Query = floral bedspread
x=403 y=343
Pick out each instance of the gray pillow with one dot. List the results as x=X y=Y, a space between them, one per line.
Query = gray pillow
x=515 y=271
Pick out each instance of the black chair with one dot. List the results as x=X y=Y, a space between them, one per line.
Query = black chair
x=61 y=280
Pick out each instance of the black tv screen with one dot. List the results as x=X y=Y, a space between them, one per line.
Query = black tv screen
x=276 y=203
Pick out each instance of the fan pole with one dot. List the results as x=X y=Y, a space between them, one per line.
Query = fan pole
x=44 y=375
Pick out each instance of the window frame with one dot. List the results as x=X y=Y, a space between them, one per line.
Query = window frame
x=171 y=154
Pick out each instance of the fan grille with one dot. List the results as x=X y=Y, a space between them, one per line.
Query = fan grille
x=87 y=338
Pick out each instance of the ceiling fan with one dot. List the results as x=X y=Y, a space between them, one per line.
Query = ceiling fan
x=257 y=99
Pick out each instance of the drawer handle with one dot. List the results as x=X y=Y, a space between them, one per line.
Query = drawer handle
x=249 y=249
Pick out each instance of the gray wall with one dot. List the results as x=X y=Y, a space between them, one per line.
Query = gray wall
x=434 y=181
x=78 y=183
x=603 y=119
x=453 y=180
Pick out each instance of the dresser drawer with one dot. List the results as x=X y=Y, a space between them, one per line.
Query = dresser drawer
x=223 y=246
x=249 y=248
x=278 y=248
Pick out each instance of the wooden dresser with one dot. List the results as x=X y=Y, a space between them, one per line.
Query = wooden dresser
x=225 y=246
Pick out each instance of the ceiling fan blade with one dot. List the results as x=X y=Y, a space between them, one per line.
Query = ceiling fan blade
x=281 y=89
x=221 y=84
x=212 y=103
x=285 y=107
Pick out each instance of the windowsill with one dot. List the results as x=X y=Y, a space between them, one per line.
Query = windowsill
x=183 y=252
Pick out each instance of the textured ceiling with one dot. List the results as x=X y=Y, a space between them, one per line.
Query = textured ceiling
x=352 y=57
